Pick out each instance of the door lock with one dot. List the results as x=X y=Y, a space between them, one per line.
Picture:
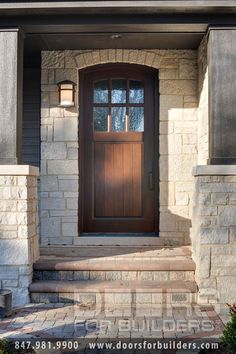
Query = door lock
x=150 y=175
x=150 y=181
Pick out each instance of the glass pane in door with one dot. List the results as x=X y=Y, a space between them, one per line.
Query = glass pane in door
x=100 y=93
x=136 y=119
x=118 y=115
x=136 y=92
x=118 y=94
x=100 y=118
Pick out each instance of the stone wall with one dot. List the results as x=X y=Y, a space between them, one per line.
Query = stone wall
x=177 y=139
x=214 y=237
x=203 y=118
x=18 y=229
x=59 y=162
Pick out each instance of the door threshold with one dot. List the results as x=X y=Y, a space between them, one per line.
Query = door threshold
x=125 y=234
x=119 y=240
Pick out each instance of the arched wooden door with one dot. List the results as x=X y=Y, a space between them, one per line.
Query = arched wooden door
x=117 y=150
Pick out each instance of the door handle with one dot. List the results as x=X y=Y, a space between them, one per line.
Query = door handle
x=150 y=181
x=150 y=175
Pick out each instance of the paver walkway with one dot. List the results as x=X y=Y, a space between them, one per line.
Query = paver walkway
x=63 y=321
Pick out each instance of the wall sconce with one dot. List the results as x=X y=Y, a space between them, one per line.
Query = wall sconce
x=66 y=93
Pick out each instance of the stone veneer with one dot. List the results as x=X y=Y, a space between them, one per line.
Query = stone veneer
x=18 y=229
x=214 y=233
x=177 y=139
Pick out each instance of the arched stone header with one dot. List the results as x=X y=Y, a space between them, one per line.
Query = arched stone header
x=72 y=59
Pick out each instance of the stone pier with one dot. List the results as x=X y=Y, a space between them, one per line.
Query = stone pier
x=19 y=243
x=214 y=233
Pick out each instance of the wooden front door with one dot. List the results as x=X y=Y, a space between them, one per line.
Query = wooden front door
x=117 y=134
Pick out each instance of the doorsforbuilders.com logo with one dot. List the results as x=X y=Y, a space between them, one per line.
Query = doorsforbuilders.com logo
x=153 y=345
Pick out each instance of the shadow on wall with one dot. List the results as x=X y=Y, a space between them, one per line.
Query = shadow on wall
x=177 y=156
x=184 y=143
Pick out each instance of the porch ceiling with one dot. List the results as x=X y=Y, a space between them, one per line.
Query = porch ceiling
x=75 y=41
x=77 y=25
x=35 y=43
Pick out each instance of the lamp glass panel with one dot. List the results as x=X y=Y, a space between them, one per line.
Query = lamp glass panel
x=66 y=97
x=67 y=87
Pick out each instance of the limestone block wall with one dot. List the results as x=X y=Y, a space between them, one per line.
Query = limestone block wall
x=19 y=242
x=177 y=117
x=59 y=181
x=214 y=237
x=203 y=107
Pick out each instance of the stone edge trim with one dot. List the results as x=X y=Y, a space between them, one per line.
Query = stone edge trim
x=214 y=170
x=37 y=5
x=18 y=170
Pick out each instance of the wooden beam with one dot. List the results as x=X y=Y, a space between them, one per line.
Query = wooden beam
x=11 y=69
x=152 y=23
x=120 y=6
x=222 y=99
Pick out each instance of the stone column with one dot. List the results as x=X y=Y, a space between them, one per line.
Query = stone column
x=18 y=229
x=214 y=233
x=11 y=69
x=222 y=88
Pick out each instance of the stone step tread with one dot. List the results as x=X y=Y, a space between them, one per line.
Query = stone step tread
x=85 y=286
x=120 y=264
x=108 y=251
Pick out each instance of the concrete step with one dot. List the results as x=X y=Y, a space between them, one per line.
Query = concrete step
x=115 y=275
x=116 y=264
x=114 y=292
x=111 y=275
x=161 y=264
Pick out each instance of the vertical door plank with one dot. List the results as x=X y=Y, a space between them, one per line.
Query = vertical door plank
x=118 y=180
x=108 y=181
x=137 y=179
x=128 y=166
x=99 y=178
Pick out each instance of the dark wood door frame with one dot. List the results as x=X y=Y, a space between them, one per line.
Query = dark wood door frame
x=82 y=136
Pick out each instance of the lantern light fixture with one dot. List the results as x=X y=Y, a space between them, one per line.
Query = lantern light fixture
x=66 y=93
